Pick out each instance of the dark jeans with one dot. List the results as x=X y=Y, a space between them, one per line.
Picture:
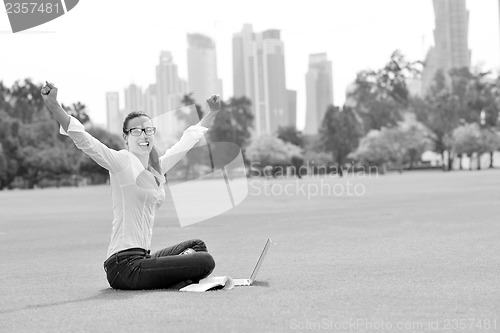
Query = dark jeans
x=136 y=269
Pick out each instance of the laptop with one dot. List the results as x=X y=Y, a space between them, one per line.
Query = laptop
x=250 y=281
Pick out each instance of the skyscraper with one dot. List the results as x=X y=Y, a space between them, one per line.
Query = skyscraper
x=133 y=98
x=243 y=63
x=168 y=90
x=450 y=48
x=150 y=100
x=259 y=74
x=113 y=114
x=292 y=107
x=202 y=68
x=319 y=91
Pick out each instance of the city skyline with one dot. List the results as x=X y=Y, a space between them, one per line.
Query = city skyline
x=258 y=72
x=127 y=48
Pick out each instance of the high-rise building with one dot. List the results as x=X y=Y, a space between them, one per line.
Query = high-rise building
x=259 y=74
x=113 y=113
x=150 y=100
x=450 y=48
x=243 y=63
x=168 y=91
x=133 y=98
x=292 y=107
x=319 y=91
x=202 y=68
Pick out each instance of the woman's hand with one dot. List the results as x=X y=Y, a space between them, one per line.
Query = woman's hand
x=49 y=94
x=214 y=103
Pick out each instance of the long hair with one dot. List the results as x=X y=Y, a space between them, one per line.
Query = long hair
x=154 y=155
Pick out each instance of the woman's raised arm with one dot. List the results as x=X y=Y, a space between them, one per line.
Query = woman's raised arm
x=214 y=103
x=191 y=136
x=49 y=96
x=106 y=157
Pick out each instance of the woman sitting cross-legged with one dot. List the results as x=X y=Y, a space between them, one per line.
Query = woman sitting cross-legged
x=137 y=179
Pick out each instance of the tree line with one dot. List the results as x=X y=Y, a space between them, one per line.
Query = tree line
x=382 y=124
x=32 y=152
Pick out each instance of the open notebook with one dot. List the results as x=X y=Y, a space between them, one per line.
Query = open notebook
x=225 y=282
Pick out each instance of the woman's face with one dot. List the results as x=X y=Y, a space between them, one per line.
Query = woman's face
x=143 y=143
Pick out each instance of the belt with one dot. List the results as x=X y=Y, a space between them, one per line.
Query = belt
x=128 y=252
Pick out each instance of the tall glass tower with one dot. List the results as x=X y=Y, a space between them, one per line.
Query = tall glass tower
x=451 y=48
x=319 y=91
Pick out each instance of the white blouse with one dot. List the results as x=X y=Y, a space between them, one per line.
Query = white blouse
x=136 y=195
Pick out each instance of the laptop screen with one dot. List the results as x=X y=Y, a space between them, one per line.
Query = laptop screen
x=261 y=259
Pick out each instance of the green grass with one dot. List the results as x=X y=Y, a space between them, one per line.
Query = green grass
x=416 y=249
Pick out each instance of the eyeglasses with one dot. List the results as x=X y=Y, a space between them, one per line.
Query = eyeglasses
x=138 y=131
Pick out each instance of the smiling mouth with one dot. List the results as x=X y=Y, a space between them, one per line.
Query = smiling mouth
x=143 y=143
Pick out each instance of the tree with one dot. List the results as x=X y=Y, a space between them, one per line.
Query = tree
x=233 y=123
x=192 y=158
x=466 y=140
x=39 y=164
x=480 y=98
x=315 y=155
x=380 y=96
x=395 y=141
x=77 y=110
x=3 y=167
x=292 y=135
x=9 y=138
x=25 y=101
x=439 y=112
x=31 y=147
x=267 y=150
x=383 y=147
x=24 y=122
x=340 y=132
x=4 y=99
x=398 y=146
x=491 y=106
x=44 y=154
x=270 y=151
x=372 y=150
x=312 y=142
x=415 y=139
x=88 y=167
x=464 y=98
x=491 y=142
x=186 y=101
x=476 y=94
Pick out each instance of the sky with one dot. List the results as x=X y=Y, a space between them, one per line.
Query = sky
x=102 y=46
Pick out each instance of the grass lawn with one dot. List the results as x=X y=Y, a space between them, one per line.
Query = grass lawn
x=413 y=252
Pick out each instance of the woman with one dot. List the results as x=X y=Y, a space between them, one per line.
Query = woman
x=136 y=179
